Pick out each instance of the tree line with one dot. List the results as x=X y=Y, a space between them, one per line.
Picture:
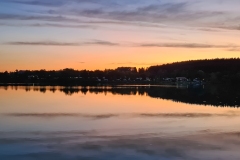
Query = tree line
x=208 y=70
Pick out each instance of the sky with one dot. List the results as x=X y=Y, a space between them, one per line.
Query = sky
x=106 y=34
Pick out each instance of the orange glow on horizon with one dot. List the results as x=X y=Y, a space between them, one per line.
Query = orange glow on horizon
x=110 y=57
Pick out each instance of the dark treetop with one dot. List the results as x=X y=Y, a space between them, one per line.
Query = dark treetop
x=225 y=71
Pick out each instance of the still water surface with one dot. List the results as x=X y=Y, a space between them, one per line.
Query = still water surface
x=122 y=122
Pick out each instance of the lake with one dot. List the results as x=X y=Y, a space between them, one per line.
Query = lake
x=119 y=122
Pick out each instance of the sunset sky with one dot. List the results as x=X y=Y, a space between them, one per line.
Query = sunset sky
x=99 y=34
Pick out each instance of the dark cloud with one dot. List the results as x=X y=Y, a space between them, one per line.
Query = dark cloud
x=209 y=29
x=62 y=25
x=3 y=24
x=184 y=13
x=72 y=22
x=108 y=43
x=230 y=27
x=166 y=7
x=47 y=3
x=154 y=13
x=234 y=49
x=59 y=3
x=100 y=42
x=76 y=22
x=184 y=45
x=56 y=18
x=47 y=43
x=54 y=43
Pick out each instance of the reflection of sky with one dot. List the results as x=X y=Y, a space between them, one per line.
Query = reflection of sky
x=63 y=33
x=65 y=145
x=22 y=110
x=37 y=125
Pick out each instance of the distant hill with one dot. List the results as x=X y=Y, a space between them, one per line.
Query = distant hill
x=214 y=70
x=211 y=65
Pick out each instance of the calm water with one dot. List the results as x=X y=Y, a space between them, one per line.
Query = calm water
x=123 y=122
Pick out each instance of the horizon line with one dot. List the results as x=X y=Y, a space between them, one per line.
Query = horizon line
x=238 y=58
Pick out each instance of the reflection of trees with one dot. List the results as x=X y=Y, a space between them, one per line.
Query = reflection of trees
x=69 y=91
x=53 y=89
x=43 y=89
x=221 y=96
x=216 y=96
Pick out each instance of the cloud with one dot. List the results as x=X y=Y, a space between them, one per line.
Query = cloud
x=3 y=24
x=46 y=3
x=56 y=18
x=100 y=42
x=184 y=45
x=144 y=14
x=136 y=13
x=155 y=12
x=165 y=7
x=54 y=43
x=108 y=43
x=237 y=27
x=77 y=23
x=62 y=25
x=47 y=43
x=183 y=13
x=209 y=29
x=234 y=49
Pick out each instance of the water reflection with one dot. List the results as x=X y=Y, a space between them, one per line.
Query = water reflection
x=73 y=145
x=210 y=95
x=138 y=115
x=119 y=122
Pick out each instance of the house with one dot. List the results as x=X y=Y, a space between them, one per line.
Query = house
x=148 y=79
x=181 y=79
x=169 y=79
